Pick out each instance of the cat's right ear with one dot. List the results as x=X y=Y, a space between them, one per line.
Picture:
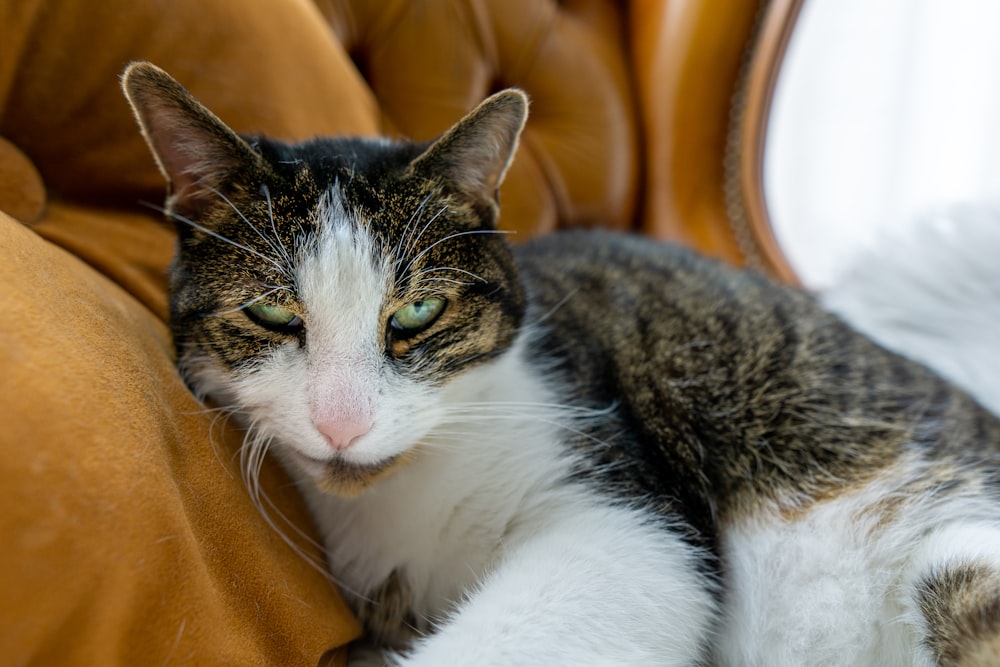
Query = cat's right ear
x=194 y=149
x=474 y=155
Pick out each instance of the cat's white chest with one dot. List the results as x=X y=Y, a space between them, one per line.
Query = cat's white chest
x=443 y=518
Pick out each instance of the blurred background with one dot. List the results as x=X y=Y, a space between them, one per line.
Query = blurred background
x=887 y=114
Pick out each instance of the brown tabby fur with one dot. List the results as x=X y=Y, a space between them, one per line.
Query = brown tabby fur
x=732 y=396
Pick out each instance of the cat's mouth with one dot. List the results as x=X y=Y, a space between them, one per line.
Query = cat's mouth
x=344 y=478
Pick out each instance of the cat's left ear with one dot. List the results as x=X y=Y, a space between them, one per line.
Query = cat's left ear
x=194 y=149
x=473 y=156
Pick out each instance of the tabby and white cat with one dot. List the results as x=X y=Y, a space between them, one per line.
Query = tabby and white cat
x=587 y=450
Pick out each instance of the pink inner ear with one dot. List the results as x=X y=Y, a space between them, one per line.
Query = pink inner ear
x=190 y=167
x=196 y=160
x=194 y=149
x=475 y=153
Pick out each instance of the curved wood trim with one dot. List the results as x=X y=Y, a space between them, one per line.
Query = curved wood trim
x=752 y=224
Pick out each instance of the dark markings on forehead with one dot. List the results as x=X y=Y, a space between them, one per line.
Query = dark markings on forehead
x=441 y=240
x=367 y=174
x=261 y=219
x=405 y=216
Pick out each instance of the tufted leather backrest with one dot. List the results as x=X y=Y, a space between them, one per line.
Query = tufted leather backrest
x=128 y=535
x=427 y=63
x=636 y=107
x=648 y=116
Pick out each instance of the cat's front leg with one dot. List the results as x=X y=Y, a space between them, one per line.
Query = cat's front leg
x=598 y=586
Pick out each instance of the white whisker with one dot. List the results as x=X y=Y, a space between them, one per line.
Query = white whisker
x=452 y=236
x=416 y=240
x=253 y=454
x=450 y=268
x=558 y=305
x=411 y=225
x=213 y=234
x=282 y=250
x=274 y=244
x=442 y=280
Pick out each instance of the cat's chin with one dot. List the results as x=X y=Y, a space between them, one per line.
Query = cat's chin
x=344 y=478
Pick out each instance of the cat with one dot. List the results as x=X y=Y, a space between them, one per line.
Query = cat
x=588 y=449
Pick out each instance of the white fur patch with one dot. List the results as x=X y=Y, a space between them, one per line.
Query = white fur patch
x=837 y=585
x=341 y=373
x=513 y=563
x=582 y=583
x=343 y=285
x=510 y=559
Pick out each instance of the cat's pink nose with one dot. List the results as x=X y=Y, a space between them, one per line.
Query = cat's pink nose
x=340 y=434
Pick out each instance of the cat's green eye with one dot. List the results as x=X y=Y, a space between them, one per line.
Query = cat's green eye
x=417 y=316
x=274 y=318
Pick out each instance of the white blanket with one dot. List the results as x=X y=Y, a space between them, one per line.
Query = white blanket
x=934 y=295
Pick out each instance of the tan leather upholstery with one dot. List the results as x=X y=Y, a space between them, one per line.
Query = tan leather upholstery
x=127 y=535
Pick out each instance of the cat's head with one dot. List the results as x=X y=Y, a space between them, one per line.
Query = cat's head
x=331 y=290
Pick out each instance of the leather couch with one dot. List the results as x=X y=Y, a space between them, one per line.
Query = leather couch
x=127 y=534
